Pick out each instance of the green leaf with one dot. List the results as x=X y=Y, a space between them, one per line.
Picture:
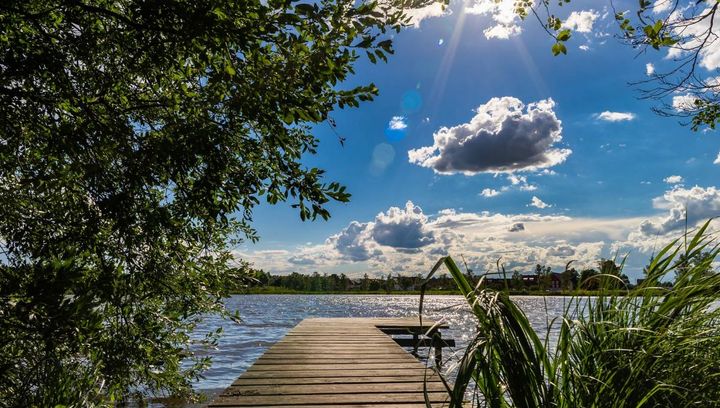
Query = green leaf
x=563 y=35
x=559 y=48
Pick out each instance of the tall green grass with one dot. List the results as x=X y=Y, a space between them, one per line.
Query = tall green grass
x=654 y=347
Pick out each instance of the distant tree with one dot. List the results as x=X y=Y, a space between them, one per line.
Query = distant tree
x=517 y=280
x=376 y=285
x=544 y=277
x=614 y=277
x=609 y=267
x=316 y=283
x=263 y=278
x=569 y=279
x=344 y=282
x=389 y=283
x=589 y=280
x=366 y=283
x=136 y=137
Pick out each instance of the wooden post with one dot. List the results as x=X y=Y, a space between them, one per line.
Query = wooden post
x=437 y=345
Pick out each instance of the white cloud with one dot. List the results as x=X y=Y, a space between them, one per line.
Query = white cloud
x=433 y=10
x=516 y=179
x=521 y=182
x=693 y=32
x=673 y=179
x=581 y=21
x=538 y=203
x=684 y=103
x=417 y=15
x=649 y=69
x=505 y=135
x=717 y=159
x=615 y=116
x=584 y=47
x=697 y=203
x=661 y=6
x=411 y=241
x=502 y=32
x=397 y=123
x=502 y=13
x=489 y=192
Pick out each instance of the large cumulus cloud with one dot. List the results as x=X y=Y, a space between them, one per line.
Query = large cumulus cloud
x=697 y=204
x=350 y=242
x=505 y=135
x=402 y=228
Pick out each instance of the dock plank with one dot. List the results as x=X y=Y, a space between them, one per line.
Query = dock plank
x=342 y=388
x=341 y=363
x=354 y=398
x=334 y=380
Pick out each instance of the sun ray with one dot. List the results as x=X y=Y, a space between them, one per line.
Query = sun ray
x=438 y=88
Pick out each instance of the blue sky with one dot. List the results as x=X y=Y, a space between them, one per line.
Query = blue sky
x=538 y=159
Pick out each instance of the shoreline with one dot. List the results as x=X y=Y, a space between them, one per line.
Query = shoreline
x=282 y=291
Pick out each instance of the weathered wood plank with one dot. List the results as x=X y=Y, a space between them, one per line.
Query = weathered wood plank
x=333 y=356
x=335 y=339
x=334 y=367
x=336 y=380
x=319 y=360
x=353 y=347
x=390 y=405
x=356 y=398
x=333 y=349
x=305 y=389
x=335 y=373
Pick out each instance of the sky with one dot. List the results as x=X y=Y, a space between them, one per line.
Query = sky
x=485 y=146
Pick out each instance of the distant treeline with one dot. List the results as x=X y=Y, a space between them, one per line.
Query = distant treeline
x=316 y=282
x=607 y=274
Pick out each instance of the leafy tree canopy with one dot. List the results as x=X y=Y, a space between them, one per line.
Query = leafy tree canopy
x=136 y=136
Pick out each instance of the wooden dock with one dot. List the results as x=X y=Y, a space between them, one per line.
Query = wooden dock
x=339 y=363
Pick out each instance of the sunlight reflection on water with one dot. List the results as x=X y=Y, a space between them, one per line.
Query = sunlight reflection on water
x=266 y=319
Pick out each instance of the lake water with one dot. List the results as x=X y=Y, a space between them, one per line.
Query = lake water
x=266 y=319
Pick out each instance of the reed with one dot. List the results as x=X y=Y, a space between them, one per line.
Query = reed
x=654 y=347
